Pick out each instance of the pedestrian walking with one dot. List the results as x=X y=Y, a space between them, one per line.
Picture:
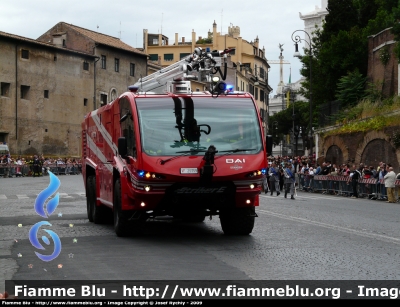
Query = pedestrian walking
x=265 y=182
x=281 y=179
x=274 y=179
x=37 y=167
x=289 y=181
x=355 y=175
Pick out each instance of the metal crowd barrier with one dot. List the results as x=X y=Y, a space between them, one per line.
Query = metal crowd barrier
x=15 y=170
x=341 y=185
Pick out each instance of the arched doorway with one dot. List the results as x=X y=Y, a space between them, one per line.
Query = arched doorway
x=379 y=150
x=334 y=154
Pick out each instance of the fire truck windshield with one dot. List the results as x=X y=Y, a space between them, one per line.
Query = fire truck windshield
x=172 y=125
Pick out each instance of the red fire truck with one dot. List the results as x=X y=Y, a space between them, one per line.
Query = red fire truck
x=161 y=149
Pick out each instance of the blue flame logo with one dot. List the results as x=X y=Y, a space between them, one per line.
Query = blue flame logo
x=50 y=208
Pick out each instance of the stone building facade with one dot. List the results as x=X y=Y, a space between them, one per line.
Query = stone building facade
x=48 y=85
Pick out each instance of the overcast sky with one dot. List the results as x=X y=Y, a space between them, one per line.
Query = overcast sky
x=273 y=21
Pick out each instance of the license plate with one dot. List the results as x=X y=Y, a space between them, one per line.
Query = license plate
x=189 y=171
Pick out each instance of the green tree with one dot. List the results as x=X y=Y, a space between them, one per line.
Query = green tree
x=341 y=46
x=284 y=121
x=367 y=10
x=341 y=17
x=396 y=30
x=351 y=88
x=344 y=52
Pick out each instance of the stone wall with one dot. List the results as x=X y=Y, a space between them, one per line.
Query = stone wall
x=369 y=147
x=378 y=44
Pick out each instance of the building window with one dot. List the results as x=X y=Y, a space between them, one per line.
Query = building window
x=5 y=89
x=183 y=55
x=25 y=92
x=262 y=113
x=85 y=65
x=256 y=90
x=153 y=57
x=132 y=70
x=155 y=41
x=255 y=50
x=85 y=101
x=168 y=57
x=262 y=73
x=46 y=93
x=25 y=54
x=103 y=99
x=117 y=65
x=251 y=89
x=103 y=62
x=262 y=95
x=64 y=43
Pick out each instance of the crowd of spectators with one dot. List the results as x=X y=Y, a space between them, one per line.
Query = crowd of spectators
x=36 y=166
x=306 y=168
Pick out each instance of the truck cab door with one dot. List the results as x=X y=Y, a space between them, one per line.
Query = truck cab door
x=126 y=122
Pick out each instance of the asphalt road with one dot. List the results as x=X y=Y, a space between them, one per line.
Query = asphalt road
x=314 y=237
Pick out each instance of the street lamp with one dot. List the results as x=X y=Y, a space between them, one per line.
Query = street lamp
x=296 y=39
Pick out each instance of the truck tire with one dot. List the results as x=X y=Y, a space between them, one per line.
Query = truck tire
x=98 y=212
x=237 y=221
x=89 y=198
x=121 y=225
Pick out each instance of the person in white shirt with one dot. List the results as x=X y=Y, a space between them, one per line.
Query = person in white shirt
x=18 y=173
x=390 y=179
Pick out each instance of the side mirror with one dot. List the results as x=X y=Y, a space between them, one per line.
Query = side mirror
x=122 y=147
x=269 y=144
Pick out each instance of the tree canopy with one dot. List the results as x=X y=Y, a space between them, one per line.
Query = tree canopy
x=335 y=67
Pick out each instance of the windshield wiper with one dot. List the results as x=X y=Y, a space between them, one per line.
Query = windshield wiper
x=193 y=150
x=184 y=153
x=232 y=151
x=237 y=150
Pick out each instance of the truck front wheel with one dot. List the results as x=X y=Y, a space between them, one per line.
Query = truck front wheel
x=237 y=221
x=120 y=223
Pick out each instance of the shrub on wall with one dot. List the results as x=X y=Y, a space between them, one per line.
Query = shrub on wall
x=396 y=138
